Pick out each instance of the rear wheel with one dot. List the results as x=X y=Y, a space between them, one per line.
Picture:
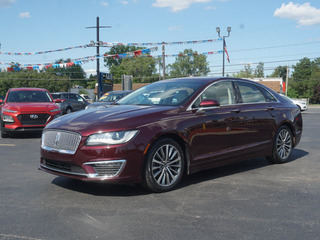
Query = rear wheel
x=164 y=166
x=282 y=146
x=69 y=110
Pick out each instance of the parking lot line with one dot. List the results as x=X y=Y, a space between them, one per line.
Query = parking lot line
x=7 y=145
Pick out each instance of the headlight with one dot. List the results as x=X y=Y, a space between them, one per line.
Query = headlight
x=7 y=118
x=55 y=110
x=110 y=138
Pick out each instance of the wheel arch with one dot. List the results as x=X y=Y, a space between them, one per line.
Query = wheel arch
x=289 y=125
x=179 y=140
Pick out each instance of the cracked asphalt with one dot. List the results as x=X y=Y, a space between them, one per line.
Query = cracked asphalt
x=248 y=200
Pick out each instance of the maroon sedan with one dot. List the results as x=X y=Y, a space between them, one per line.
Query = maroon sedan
x=167 y=129
x=27 y=109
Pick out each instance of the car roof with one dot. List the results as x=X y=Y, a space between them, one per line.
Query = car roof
x=28 y=89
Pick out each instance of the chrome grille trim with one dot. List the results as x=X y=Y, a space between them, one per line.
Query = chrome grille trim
x=62 y=171
x=60 y=141
x=107 y=169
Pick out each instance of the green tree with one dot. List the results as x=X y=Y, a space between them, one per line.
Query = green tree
x=259 y=71
x=305 y=78
x=111 y=62
x=247 y=72
x=280 y=71
x=189 y=65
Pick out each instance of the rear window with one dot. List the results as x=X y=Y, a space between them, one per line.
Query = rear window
x=29 y=96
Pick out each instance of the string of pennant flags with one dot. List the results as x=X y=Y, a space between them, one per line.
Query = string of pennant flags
x=79 y=61
x=109 y=44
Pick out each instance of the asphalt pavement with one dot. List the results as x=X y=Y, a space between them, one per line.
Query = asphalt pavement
x=248 y=200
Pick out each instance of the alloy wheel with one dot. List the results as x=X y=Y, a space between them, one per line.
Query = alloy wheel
x=166 y=165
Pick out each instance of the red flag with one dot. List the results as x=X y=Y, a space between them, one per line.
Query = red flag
x=225 y=49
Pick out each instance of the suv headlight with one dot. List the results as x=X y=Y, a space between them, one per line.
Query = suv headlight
x=7 y=118
x=110 y=138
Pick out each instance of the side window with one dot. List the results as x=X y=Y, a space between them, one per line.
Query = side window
x=221 y=91
x=250 y=93
x=268 y=95
x=73 y=97
x=79 y=98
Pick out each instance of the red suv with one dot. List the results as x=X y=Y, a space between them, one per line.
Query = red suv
x=27 y=109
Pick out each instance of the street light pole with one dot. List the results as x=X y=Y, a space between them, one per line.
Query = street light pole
x=98 y=53
x=224 y=45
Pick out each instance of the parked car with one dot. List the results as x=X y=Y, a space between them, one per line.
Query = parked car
x=87 y=98
x=27 y=109
x=70 y=102
x=302 y=105
x=109 y=98
x=191 y=125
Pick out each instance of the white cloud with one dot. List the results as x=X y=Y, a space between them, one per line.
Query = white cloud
x=6 y=3
x=124 y=2
x=304 y=14
x=24 y=15
x=177 y=5
x=105 y=4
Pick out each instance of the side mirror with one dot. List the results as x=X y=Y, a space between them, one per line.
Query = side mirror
x=209 y=103
x=58 y=100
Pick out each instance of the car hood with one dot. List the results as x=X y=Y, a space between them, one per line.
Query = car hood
x=31 y=107
x=114 y=118
x=100 y=104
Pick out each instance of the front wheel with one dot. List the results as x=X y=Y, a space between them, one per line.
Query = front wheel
x=282 y=146
x=164 y=166
x=4 y=134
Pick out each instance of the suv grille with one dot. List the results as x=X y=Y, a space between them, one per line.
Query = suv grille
x=33 y=119
x=61 y=141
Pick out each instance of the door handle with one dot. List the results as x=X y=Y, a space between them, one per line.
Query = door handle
x=235 y=111
x=270 y=108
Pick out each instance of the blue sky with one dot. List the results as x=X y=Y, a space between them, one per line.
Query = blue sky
x=275 y=32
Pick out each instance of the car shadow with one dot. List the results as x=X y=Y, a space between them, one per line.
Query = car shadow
x=235 y=168
x=124 y=190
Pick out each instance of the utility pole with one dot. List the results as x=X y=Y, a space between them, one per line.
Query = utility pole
x=163 y=62
x=97 y=44
x=287 y=79
x=224 y=45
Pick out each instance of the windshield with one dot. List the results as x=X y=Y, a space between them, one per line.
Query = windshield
x=111 y=97
x=28 y=96
x=162 y=94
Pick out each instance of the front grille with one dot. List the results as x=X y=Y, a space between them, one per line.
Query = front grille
x=63 y=167
x=108 y=168
x=33 y=119
x=61 y=141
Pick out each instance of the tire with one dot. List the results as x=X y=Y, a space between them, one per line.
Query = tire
x=164 y=166
x=4 y=134
x=282 y=146
x=68 y=110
